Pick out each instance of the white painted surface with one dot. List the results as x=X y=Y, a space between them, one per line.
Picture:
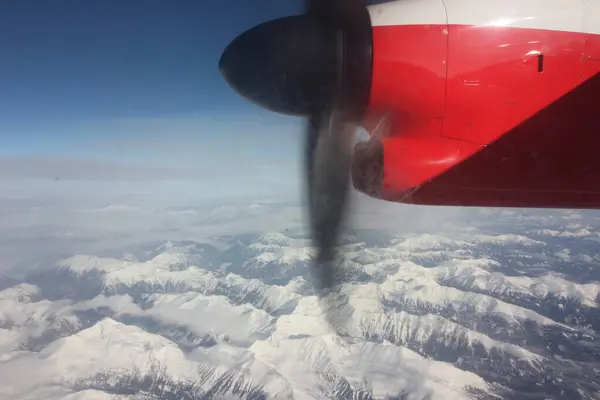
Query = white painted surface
x=591 y=18
x=408 y=12
x=560 y=15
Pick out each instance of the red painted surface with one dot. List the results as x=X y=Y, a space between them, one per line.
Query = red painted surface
x=477 y=123
x=493 y=78
x=409 y=75
x=590 y=60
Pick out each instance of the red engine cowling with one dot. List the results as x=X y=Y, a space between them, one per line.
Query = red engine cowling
x=409 y=86
x=485 y=110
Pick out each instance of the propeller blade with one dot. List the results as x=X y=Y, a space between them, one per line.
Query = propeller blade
x=317 y=65
x=329 y=141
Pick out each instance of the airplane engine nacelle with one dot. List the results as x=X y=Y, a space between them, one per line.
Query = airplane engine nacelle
x=409 y=85
x=409 y=62
x=489 y=103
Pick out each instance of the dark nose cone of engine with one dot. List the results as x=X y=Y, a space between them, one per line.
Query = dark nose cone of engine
x=286 y=65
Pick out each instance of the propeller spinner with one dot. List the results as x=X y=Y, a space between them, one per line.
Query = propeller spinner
x=317 y=65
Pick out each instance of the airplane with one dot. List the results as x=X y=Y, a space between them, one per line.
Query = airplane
x=466 y=102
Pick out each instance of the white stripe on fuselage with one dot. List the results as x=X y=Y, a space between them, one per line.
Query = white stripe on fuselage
x=591 y=18
x=408 y=12
x=560 y=15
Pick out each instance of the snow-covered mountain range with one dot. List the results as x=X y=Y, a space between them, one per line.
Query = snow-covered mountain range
x=509 y=309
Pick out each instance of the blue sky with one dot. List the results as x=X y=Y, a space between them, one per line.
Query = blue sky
x=133 y=81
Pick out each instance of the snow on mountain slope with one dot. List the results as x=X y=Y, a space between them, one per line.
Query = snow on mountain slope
x=463 y=272
x=106 y=347
x=157 y=272
x=10 y=339
x=455 y=315
x=414 y=283
x=308 y=355
x=273 y=258
x=23 y=292
x=62 y=393
x=28 y=319
x=276 y=238
x=495 y=283
x=91 y=395
x=283 y=256
x=241 y=322
x=101 y=355
x=364 y=317
x=577 y=233
x=270 y=298
x=426 y=242
x=200 y=314
x=119 y=276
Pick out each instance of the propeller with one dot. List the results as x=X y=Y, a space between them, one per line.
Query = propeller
x=316 y=65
